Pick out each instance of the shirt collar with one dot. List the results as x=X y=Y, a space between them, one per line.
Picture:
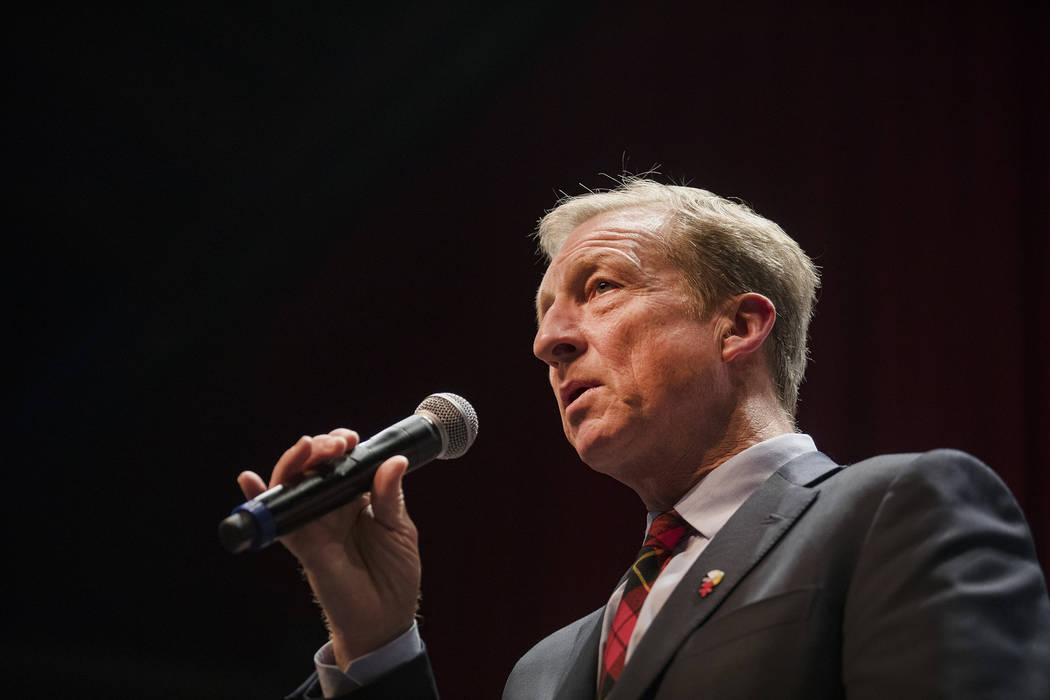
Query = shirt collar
x=710 y=503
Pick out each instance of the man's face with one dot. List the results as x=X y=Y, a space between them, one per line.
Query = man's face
x=635 y=371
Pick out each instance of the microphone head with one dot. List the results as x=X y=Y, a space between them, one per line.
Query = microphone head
x=455 y=419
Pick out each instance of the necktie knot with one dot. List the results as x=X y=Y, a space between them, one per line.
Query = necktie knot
x=666 y=531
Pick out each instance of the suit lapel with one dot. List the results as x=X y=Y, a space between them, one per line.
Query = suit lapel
x=748 y=535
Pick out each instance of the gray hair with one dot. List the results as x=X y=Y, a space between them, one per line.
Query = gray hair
x=723 y=249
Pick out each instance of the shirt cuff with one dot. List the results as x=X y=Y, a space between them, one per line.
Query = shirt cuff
x=365 y=669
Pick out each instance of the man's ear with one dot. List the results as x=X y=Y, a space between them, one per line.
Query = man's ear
x=749 y=318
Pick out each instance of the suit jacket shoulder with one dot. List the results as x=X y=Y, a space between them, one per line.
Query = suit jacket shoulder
x=946 y=597
x=558 y=665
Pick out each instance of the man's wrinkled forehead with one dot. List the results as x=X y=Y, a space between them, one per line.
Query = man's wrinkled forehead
x=648 y=220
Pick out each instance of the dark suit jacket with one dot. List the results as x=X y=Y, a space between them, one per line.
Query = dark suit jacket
x=904 y=576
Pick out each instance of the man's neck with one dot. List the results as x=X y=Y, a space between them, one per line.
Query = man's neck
x=752 y=423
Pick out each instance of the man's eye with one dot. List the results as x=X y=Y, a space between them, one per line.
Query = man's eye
x=602 y=286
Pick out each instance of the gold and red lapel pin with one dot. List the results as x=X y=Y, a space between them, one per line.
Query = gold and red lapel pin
x=712 y=579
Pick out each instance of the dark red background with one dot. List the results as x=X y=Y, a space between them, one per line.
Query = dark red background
x=231 y=226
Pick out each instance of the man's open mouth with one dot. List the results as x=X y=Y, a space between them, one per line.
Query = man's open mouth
x=574 y=390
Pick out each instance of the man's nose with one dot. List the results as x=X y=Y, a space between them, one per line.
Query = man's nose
x=558 y=338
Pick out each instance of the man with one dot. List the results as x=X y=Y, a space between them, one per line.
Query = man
x=674 y=323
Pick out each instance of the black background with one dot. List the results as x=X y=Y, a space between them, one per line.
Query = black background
x=230 y=225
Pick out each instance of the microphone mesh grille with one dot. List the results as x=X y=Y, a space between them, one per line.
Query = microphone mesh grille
x=455 y=419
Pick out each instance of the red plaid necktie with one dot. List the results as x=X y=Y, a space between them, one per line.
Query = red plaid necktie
x=664 y=534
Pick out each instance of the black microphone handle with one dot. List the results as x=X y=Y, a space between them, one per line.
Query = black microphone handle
x=280 y=510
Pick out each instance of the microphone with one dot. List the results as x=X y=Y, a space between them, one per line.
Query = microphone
x=443 y=427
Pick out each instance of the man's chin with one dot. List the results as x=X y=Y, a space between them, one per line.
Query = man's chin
x=598 y=452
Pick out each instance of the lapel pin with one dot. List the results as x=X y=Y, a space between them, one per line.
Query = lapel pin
x=713 y=578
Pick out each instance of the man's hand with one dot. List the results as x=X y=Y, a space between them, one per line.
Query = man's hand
x=362 y=560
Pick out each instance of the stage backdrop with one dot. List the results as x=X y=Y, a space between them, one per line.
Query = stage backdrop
x=232 y=226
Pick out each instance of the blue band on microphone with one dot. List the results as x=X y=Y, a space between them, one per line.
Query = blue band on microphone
x=267 y=532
